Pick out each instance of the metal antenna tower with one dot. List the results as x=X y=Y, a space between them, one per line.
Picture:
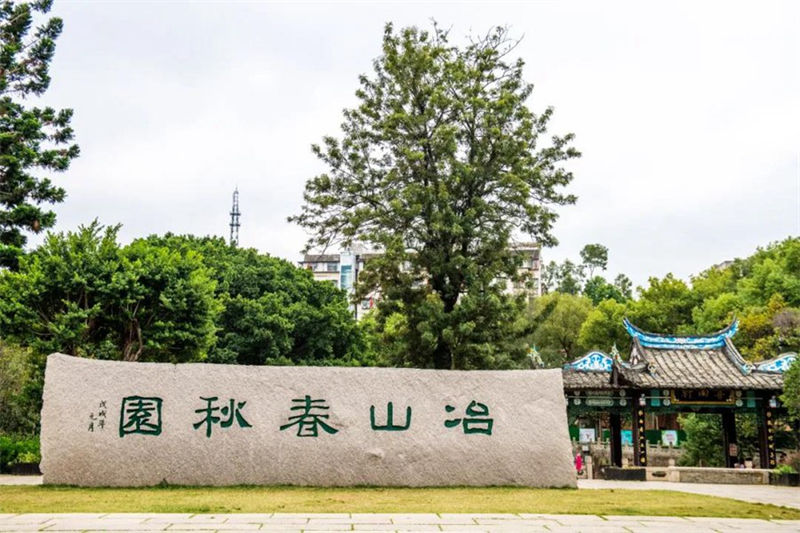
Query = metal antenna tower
x=235 y=218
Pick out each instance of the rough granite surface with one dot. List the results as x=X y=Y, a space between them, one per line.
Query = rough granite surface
x=529 y=444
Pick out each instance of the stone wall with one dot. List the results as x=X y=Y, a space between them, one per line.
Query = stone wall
x=730 y=476
x=133 y=424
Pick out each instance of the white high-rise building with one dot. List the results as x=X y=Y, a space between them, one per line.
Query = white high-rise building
x=342 y=270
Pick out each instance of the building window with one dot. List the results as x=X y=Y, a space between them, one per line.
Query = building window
x=333 y=267
x=346 y=278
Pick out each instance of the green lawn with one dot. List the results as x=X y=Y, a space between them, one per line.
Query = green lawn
x=40 y=499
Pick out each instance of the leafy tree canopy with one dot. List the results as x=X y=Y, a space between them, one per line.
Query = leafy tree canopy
x=703 y=446
x=80 y=293
x=598 y=289
x=273 y=312
x=438 y=165
x=33 y=140
x=791 y=390
x=603 y=329
x=557 y=319
x=566 y=278
x=758 y=290
x=578 y=278
x=594 y=256
x=19 y=388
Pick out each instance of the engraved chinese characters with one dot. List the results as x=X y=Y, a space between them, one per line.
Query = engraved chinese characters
x=307 y=422
x=197 y=424
x=142 y=415
x=232 y=411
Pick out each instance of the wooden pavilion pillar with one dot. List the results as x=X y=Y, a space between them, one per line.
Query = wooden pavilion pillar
x=766 y=435
x=615 y=420
x=638 y=434
x=729 y=442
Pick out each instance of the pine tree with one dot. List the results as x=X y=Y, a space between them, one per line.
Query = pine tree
x=438 y=166
x=33 y=140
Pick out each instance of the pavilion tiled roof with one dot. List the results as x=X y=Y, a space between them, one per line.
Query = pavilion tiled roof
x=586 y=379
x=690 y=368
x=670 y=362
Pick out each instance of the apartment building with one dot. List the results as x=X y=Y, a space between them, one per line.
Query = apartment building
x=342 y=270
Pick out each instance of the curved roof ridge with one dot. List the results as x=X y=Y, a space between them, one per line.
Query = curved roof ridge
x=592 y=361
x=665 y=341
x=736 y=358
x=778 y=364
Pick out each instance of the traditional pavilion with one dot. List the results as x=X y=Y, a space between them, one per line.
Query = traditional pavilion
x=671 y=374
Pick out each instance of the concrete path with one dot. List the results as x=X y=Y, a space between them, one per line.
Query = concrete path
x=6 y=479
x=784 y=496
x=289 y=522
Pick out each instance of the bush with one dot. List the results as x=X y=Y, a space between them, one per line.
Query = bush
x=17 y=449
x=784 y=469
x=703 y=445
x=793 y=460
x=28 y=457
x=21 y=378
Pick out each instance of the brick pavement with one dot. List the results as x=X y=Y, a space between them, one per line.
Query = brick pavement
x=783 y=496
x=307 y=522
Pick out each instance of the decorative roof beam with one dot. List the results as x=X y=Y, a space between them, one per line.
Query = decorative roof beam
x=667 y=342
x=778 y=365
x=592 y=362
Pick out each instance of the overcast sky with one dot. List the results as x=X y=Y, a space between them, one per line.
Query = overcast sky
x=687 y=114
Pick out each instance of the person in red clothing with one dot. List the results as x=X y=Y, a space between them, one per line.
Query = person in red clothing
x=579 y=463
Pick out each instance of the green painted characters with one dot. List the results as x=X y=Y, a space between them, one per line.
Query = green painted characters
x=308 y=423
x=390 y=425
x=233 y=412
x=140 y=415
x=477 y=420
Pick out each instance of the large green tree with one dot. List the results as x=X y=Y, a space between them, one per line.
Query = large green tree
x=603 y=328
x=703 y=446
x=664 y=306
x=20 y=386
x=566 y=277
x=791 y=390
x=598 y=289
x=80 y=293
x=594 y=256
x=271 y=311
x=34 y=141
x=557 y=319
x=438 y=165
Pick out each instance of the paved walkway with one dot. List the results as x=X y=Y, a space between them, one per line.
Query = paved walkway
x=289 y=522
x=785 y=496
x=6 y=479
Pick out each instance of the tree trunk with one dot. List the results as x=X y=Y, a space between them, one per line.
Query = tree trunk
x=133 y=339
x=442 y=358
x=443 y=355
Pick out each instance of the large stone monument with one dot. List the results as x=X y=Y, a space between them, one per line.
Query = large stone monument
x=131 y=424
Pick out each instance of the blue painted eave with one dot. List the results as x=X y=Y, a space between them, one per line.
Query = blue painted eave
x=670 y=342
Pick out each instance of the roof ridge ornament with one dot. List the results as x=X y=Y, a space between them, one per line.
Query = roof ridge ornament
x=777 y=365
x=667 y=342
x=593 y=361
x=535 y=357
